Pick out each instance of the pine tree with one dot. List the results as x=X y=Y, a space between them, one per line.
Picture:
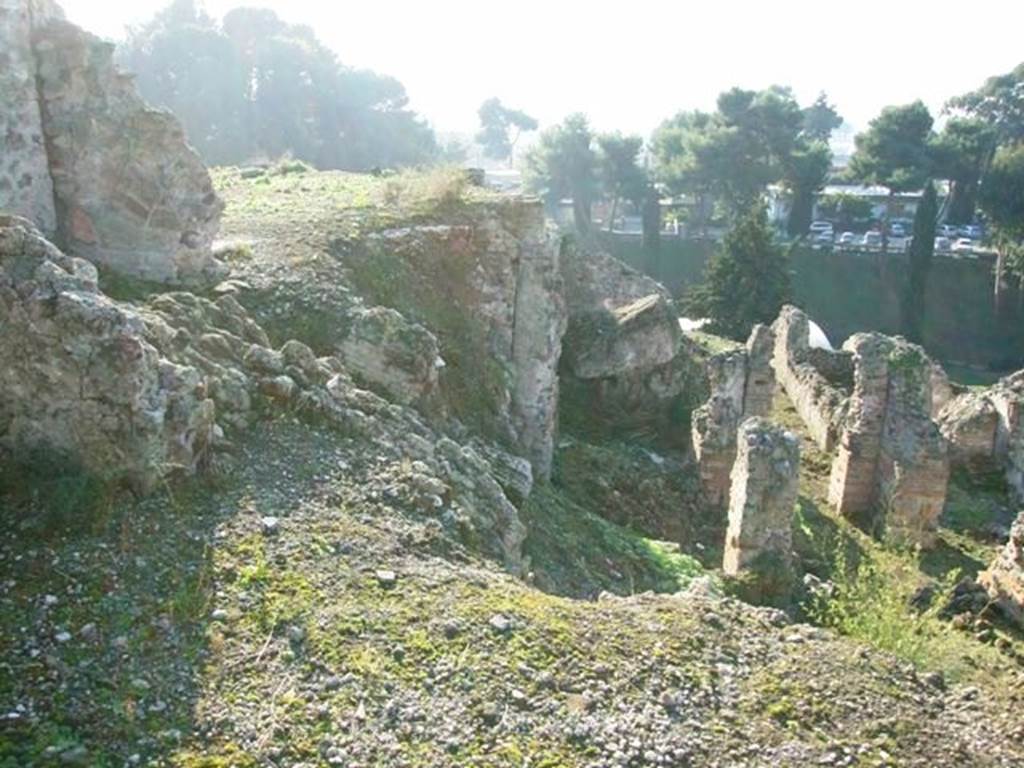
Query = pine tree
x=746 y=282
x=922 y=248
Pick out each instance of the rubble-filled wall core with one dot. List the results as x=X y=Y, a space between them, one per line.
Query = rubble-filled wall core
x=491 y=291
x=820 y=403
x=87 y=160
x=78 y=376
x=764 y=487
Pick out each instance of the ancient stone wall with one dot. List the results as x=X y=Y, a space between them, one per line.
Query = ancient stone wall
x=742 y=385
x=1004 y=578
x=764 y=486
x=714 y=424
x=85 y=158
x=78 y=376
x=985 y=428
x=491 y=293
x=891 y=460
x=820 y=403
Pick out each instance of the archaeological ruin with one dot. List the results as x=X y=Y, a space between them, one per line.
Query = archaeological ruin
x=89 y=163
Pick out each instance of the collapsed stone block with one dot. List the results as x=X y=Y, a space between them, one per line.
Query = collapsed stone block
x=388 y=351
x=642 y=334
x=764 y=488
x=1004 y=578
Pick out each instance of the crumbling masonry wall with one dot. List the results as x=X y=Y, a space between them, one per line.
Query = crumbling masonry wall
x=820 y=402
x=985 y=429
x=892 y=460
x=742 y=385
x=86 y=160
x=764 y=486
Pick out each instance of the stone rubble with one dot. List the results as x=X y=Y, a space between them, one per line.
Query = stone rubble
x=765 y=482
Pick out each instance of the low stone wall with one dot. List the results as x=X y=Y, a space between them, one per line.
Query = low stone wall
x=764 y=486
x=986 y=427
x=821 y=405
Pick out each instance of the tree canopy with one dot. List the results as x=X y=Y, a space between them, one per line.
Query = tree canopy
x=746 y=281
x=894 y=150
x=753 y=139
x=960 y=154
x=999 y=103
x=821 y=119
x=500 y=129
x=563 y=164
x=256 y=86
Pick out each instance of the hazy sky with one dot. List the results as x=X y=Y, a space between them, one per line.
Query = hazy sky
x=629 y=65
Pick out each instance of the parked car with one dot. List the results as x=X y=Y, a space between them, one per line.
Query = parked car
x=824 y=237
x=973 y=231
x=948 y=230
x=897 y=230
x=847 y=238
x=820 y=226
x=872 y=240
x=943 y=243
x=963 y=245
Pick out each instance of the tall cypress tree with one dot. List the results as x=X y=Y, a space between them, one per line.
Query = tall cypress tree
x=922 y=249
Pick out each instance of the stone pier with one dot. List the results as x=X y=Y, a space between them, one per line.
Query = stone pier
x=765 y=483
x=742 y=384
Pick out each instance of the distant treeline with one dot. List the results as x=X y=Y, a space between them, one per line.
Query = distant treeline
x=253 y=86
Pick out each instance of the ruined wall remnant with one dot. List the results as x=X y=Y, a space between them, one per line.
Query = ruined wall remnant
x=765 y=483
x=491 y=292
x=985 y=429
x=891 y=459
x=714 y=424
x=759 y=390
x=853 y=484
x=914 y=461
x=25 y=185
x=77 y=374
x=742 y=386
x=820 y=403
x=86 y=159
x=1004 y=578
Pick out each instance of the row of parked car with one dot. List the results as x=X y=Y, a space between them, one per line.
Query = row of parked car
x=948 y=239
